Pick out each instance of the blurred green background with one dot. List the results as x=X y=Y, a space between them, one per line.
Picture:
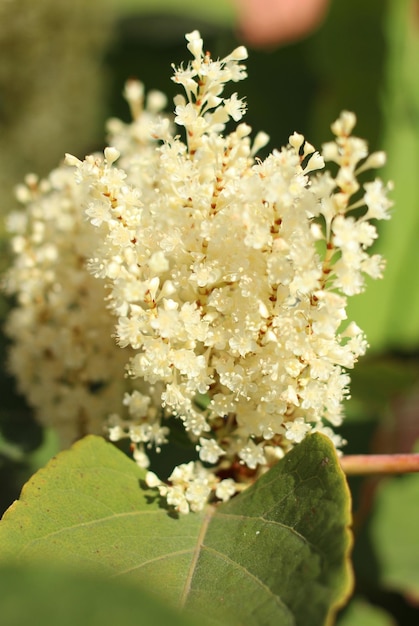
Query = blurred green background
x=62 y=69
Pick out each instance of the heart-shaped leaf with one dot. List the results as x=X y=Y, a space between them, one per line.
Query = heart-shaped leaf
x=276 y=554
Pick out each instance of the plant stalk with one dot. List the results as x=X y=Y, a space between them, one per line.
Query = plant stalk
x=367 y=464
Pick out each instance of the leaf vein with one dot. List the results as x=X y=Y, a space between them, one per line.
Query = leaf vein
x=195 y=555
x=248 y=573
x=86 y=524
x=167 y=555
x=273 y=523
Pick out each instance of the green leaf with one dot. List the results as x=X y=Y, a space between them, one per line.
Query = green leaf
x=78 y=600
x=360 y=613
x=277 y=554
x=394 y=534
x=378 y=381
x=217 y=10
x=389 y=309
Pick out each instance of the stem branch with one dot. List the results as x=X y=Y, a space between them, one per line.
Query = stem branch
x=364 y=464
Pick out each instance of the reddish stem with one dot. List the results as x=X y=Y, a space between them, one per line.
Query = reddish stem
x=363 y=464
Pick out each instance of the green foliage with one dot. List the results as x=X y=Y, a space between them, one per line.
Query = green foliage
x=360 y=613
x=26 y=598
x=217 y=10
x=389 y=309
x=394 y=534
x=376 y=384
x=277 y=554
x=51 y=85
x=91 y=512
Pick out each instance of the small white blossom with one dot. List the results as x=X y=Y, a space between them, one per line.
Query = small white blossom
x=297 y=430
x=152 y=480
x=377 y=201
x=140 y=457
x=209 y=450
x=225 y=489
x=252 y=454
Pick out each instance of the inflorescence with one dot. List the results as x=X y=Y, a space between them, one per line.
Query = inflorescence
x=223 y=278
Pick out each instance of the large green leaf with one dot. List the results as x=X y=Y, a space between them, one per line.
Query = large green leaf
x=51 y=596
x=389 y=310
x=360 y=613
x=394 y=534
x=277 y=554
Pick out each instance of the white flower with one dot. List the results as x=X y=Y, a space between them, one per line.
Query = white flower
x=197 y=494
x=140 y=457
x=152 y=480
x=235 y=107
x=376 y=200
x=223 y=278
x=209 y=450
x=252 y=454
x=297 y=430
x=225 y=489
x=63 y=355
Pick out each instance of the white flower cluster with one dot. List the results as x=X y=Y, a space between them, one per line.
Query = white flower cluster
x=228 y=277
x=62 y=354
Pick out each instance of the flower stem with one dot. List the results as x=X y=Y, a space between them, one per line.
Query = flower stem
x=364 y=464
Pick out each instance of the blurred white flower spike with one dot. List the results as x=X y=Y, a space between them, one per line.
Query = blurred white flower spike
x=227 y=277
